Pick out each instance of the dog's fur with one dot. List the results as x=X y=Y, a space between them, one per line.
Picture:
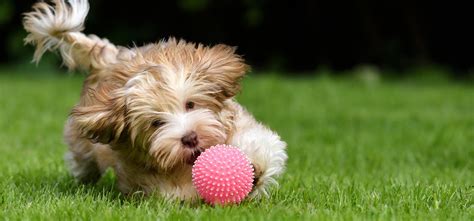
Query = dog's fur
x=148 y=112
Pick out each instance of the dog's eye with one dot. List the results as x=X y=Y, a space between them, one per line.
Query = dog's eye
x=189 y=105
x=157 y=123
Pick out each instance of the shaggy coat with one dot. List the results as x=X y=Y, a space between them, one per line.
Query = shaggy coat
x=148 y=112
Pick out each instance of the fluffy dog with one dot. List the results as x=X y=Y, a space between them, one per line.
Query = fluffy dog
x=148 y=112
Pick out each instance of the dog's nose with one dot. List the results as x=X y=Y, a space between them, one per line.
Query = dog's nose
x=190 y=140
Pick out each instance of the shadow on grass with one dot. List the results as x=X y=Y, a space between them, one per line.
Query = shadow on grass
x=38 y=182
x=35 y=184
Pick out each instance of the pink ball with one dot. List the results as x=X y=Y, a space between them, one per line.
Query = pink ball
x=223 y=175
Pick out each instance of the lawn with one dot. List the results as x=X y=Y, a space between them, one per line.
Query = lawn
x=383 y=150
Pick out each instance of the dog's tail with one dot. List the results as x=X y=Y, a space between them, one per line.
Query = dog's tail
x=58 y=26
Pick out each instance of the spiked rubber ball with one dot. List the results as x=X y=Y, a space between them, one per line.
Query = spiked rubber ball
x=223 y=175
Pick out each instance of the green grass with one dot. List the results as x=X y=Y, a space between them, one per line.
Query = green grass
x=376 y=150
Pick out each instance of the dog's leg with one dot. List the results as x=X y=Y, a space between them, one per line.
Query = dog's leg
x=81 y=157
x=264 y=148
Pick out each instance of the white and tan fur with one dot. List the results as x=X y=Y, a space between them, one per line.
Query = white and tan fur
x=148 y=112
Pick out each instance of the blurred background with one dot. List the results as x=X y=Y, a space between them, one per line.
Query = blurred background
x=374 y=98
x=289 y=37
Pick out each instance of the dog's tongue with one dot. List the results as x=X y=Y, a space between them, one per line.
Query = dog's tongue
x=193 y=157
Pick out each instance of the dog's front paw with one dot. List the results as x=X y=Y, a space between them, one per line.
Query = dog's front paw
x=260 y=182
x=256 y=177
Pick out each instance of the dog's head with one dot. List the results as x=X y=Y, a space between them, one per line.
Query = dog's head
x=165 y=105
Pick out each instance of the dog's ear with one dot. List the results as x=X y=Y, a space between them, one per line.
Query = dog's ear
x=222 y=66
x=101 y=118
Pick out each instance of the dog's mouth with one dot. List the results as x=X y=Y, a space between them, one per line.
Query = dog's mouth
x=193 y=157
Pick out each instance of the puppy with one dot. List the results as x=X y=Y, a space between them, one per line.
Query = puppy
x=148 y=112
